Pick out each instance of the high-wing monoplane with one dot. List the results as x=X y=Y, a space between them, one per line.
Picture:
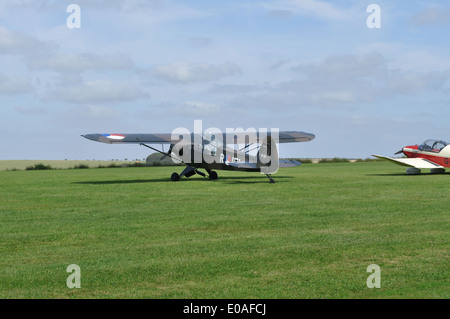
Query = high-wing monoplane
x=432 y=154
x=216 y=150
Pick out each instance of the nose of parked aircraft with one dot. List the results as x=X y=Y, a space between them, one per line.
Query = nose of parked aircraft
x=409 y=150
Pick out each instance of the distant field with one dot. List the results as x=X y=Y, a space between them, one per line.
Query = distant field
x=61 y=164
x=312 y=234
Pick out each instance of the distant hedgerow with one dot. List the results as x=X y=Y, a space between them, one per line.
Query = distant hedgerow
x=136 y=164
x=81 y=166
x=39 y=166
x=369 y=160
x=334 y=160
x=112 y=165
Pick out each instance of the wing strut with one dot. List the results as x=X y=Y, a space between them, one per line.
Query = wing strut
x=164 y=153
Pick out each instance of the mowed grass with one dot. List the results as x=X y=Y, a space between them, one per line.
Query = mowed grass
x=312 y=234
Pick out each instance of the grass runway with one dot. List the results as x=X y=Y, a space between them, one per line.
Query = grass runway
x=312 y=234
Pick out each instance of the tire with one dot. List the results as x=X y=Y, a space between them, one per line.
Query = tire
x=175 y=177
x=213 y=175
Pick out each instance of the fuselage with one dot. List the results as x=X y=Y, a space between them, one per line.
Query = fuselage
x=438 y=155
x=219 y=157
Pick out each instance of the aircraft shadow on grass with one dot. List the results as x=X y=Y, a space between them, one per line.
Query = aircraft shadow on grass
x=227 y=179
x=406 y=175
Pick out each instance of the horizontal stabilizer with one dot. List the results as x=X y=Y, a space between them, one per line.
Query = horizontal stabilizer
x=244 y=165
x=289 y=163
x=412 y=162
x=248 y=165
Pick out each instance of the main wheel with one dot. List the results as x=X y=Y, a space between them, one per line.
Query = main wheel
x=175 y=177
x=213 y=175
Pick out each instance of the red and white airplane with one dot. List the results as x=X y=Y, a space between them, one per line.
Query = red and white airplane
x=432 y=154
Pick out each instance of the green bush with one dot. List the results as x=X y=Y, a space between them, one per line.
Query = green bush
x=136 y=164
x=81 y=166
x=39 y=166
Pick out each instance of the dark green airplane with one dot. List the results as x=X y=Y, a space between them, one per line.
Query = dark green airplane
x=212 y=150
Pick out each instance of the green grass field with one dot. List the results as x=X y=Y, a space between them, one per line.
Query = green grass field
x=312 y=234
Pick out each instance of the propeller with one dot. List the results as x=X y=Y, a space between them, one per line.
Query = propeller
x=399 y=152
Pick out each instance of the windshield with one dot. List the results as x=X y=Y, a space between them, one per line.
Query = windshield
x=432 y=146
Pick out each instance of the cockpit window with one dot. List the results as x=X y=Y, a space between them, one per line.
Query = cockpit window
x=432 y=146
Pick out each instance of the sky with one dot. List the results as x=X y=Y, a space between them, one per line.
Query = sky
x=135 y=66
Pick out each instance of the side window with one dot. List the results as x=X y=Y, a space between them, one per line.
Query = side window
x=426 y=147
x=438 y=147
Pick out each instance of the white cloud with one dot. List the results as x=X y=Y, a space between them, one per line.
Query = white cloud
x=34 y=110
x=366 y=77
x=408 y=82
x=80 y=62
x=338 y=82
x=280 y=14
x=25 y=4
x=346 y=66
x=99 y=91
x=98 y=111
x=18 y=43
x=196 y=108
x=227 y=89
x=184 y=72
x=332 y=97
x=315 y=8
x=127 y=5
x=436 y=15
x=101 y=4
x=13 y=86
x=200 y=42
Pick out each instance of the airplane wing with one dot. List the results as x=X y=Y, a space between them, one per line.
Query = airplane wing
x=165 y=138
x=131 y=138
x=283 y=136
x=412 y=162
x=293 y=137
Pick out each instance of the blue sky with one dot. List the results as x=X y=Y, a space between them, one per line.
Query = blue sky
x=151 y=66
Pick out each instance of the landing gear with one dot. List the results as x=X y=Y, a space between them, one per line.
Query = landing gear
x=437 y=171
x=271 y=181
x=188 y=172
x=413 y=171
x=213 y=175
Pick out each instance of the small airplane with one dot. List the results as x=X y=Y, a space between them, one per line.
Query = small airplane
x=211 y=151
x=432 y=154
